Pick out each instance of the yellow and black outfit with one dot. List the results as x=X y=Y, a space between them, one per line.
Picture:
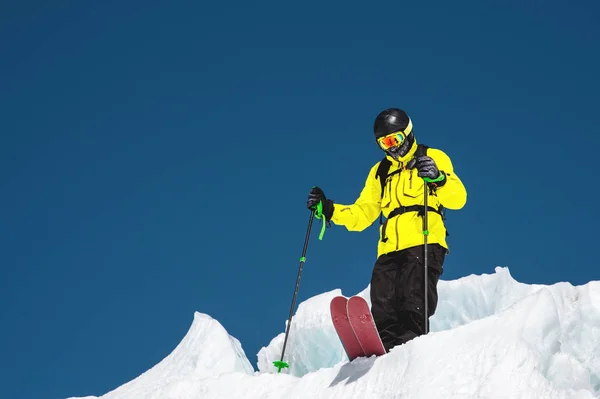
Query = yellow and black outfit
x=403 y=188
x=397 y=292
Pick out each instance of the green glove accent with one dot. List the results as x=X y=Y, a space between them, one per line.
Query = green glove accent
x=439 y=178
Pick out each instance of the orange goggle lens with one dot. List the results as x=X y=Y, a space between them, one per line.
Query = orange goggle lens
x=391 y=140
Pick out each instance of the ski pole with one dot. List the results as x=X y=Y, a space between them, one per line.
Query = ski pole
x=280 y=363
x=425 y=234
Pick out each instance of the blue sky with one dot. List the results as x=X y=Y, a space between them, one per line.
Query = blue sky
x=155 y=161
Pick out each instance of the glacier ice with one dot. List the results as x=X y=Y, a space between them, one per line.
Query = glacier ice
x=491 y=337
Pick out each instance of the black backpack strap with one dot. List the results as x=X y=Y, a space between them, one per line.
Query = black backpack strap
x=421 y=150
x=382 y=172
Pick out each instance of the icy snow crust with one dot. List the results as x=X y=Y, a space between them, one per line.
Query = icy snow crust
x=492 y=337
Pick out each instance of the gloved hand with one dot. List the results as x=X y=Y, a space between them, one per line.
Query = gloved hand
x=317 y=195
x=428 y=170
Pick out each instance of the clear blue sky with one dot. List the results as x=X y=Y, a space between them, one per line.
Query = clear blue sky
x=155 y=160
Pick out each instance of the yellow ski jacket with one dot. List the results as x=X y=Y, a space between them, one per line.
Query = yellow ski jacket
x=403 y=188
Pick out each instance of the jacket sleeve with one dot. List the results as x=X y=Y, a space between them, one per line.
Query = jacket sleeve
x=365 y=210
x=453 y=194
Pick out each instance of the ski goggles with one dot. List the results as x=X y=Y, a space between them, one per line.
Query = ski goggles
x=394 y=139
x=391 y=140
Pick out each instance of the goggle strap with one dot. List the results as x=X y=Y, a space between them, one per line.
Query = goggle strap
x=408 y=128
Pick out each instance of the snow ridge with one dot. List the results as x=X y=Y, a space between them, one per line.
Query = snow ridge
x=206 y=351
x=492 y=337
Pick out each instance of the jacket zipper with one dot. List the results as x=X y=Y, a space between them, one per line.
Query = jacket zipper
x=398 y=187
x=390 y=183
x=399 y=204
x=397 y=234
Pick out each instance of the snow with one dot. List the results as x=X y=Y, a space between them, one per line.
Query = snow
x=491 y=337
x=206 y=351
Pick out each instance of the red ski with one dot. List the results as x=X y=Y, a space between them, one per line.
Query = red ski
x=364 y=328
x=339 y=316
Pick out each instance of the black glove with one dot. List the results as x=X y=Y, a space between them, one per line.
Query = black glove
x=428 y=170
x=317 y=195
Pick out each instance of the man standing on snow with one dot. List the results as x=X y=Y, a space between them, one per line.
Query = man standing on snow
x=397 y=282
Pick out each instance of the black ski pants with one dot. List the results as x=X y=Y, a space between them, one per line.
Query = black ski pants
x=397 y=292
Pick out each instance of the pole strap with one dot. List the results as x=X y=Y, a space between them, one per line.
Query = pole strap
x=319 y=215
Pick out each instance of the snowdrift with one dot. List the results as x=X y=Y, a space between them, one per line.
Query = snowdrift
x=492 y=337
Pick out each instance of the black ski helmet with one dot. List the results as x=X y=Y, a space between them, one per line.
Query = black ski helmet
x=389 y=121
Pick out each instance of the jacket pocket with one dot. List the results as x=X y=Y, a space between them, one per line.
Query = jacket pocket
x=413 y=185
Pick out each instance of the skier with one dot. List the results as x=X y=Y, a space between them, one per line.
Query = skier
x=398 y=277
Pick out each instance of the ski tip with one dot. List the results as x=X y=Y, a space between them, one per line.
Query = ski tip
x=357 y=298
x=280 y=365
x=338 y=302
x=339 y=298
